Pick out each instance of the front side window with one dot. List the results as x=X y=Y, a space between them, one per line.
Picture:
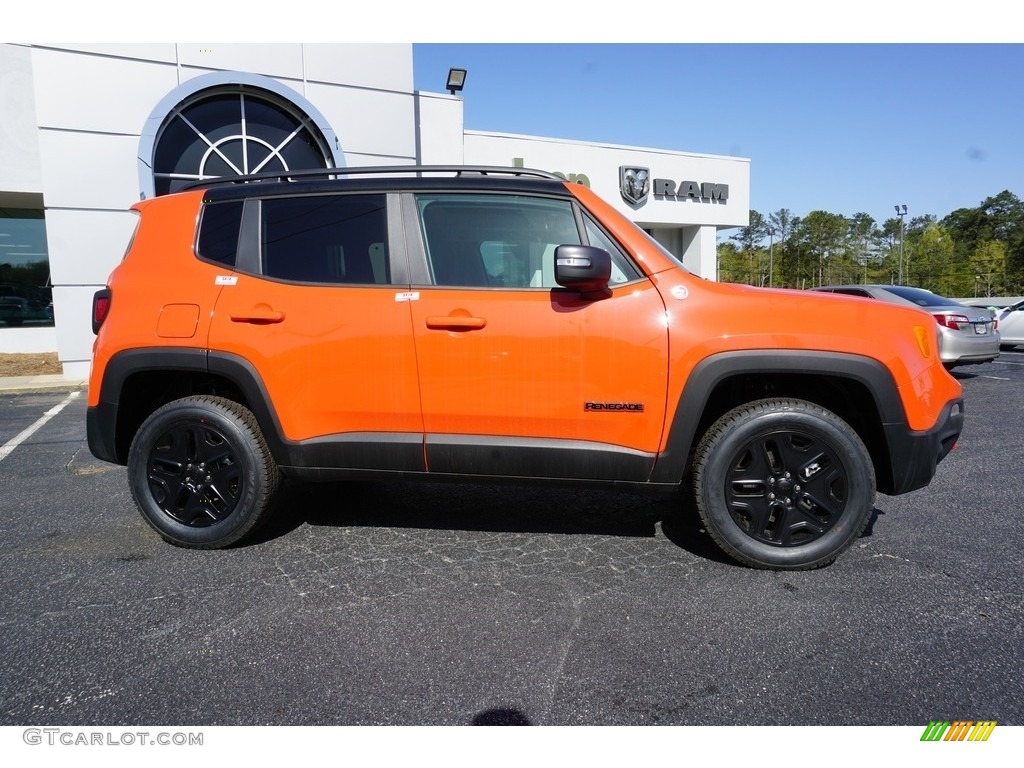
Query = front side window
x=504 y=241
x=25 y=293
x=326 y=239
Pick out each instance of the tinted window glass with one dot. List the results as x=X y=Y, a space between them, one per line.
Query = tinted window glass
x=495 y=241
x=326 y=239
x=25 y=295
x=218 y=232
x=920 y=296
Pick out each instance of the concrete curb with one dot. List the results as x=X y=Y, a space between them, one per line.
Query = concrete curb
x=41 y=383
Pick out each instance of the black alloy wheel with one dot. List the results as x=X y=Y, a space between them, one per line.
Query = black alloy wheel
x=201 y=473
x=783 y=484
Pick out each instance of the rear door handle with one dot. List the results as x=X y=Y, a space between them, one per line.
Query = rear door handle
x=456 y=323
x=258 y=317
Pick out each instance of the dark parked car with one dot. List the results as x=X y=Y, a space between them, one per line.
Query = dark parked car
x=13 y=310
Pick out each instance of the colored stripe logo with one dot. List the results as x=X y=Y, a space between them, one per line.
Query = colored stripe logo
x=958 y=730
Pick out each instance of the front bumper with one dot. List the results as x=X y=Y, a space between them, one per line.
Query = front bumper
x=914 y=455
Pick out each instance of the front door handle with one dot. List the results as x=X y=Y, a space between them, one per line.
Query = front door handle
x=456 y=323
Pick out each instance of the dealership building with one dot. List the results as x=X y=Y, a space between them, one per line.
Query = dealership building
x=87 y=130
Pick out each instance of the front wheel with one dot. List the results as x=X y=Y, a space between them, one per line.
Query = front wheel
x=201 y=473
x=783 y=484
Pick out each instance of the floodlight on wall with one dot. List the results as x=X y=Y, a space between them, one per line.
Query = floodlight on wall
x=456 y=80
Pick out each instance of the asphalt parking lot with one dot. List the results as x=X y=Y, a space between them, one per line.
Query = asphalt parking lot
x=371 y=603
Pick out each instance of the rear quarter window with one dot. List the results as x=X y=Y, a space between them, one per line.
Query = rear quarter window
x=218 y=232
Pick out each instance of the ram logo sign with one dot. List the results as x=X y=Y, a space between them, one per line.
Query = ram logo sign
x=636 y=183
x=691 y=190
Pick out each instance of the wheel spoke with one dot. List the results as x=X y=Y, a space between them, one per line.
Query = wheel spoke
x=197 y=510
x=211 y=447
x=786 y=488
x=194 y=475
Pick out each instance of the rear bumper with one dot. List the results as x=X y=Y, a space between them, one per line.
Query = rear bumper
x=956 y=347
x=914 y=455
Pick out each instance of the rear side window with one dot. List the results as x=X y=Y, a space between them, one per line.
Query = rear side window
x=218 y=232
x=326 y=239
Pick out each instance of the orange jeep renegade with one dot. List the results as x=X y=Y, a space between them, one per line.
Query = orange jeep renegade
x=490 y=324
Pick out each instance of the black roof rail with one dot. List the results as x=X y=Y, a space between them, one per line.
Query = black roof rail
x=395 y=170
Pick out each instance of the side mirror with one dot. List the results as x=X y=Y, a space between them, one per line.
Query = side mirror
x=583 y=267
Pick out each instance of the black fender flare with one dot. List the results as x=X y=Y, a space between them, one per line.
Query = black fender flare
x=102 y=420
x=672 y=463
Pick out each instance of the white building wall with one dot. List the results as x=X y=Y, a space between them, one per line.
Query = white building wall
x=700 y=251
x=91 y=106
x=21 y=179
x=439 y=123
x=19 y=144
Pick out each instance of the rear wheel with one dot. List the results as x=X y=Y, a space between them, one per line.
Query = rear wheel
x=201 y=473
x=783 y=484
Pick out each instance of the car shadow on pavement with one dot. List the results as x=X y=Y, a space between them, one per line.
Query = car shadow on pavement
x=501 y=716
x=450 y=506
x=505 y=508
x=495 y=508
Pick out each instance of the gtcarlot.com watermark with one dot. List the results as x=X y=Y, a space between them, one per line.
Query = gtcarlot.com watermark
x=69 y=737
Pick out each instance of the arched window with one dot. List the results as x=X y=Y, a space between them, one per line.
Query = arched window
x=232 y=129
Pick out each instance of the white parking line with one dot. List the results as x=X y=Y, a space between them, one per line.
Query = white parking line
x=30 y=430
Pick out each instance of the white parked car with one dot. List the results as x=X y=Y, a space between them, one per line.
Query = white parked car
x=1011 y=325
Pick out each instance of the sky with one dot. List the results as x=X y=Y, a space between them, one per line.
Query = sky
x=844 y=128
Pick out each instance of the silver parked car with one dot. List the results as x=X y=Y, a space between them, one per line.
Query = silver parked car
x=966 y=334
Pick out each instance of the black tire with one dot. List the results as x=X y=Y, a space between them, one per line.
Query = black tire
x=201 y=473
x=783 y=484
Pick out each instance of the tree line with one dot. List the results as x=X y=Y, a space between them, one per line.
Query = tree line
x=971 y=252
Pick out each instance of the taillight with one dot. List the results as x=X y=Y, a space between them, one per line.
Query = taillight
x=100 y=308
x=951 y=321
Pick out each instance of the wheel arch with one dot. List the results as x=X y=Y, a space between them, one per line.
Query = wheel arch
x=858 y=389
x=137 y=382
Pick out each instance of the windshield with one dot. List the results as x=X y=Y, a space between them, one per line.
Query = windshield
x=661 y=248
